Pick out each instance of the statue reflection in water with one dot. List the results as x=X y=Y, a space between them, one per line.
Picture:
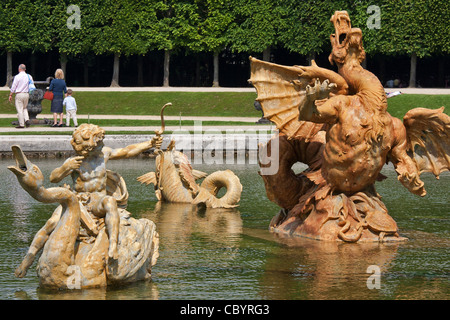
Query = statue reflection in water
x=178 y=221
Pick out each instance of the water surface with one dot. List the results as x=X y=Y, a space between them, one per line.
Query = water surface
x=230 y=254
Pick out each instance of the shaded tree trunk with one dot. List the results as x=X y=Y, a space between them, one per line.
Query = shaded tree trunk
x=266 y=54
x=140 y=71
x=115 y=77
x=382 y=72
x=49 y=64
x=166 y=68
x=311 y=57
x=9 y=76
x=86 y=72
x=31 y=68
x=154 y=71
x=197 y=70
x=441 y=72
x=216 y=70
x=412 y=73
x=63 y=61
x=98 y=73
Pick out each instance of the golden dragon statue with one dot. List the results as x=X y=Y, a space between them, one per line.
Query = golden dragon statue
x=338 y=124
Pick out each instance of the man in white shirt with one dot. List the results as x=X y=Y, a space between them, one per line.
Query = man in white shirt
x=20 y=88
x=71 y=108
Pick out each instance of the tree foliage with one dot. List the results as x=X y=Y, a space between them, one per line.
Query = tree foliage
x=136 y=27
x=305 y=27
x=255 y=25
x=215 y=19
x=17 y=32
x=72 y=41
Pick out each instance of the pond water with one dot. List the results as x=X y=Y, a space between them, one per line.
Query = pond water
x=230 y=254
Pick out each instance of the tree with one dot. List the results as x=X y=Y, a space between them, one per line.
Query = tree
x=162 y=37
x=176 y=27
x=406 y=27
x=71 y=26
x=114 y=29
x=437 y=31
x=16 y=29
x=371 y=17
x=417 y=28
x=255 y=26
x=305 y=25
x=406 y=31
x=402 y=30
x=215 y=19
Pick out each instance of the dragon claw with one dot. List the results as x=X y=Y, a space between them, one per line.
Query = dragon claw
x=319 y=90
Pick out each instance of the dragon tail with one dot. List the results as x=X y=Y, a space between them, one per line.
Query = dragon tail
x=211 y=186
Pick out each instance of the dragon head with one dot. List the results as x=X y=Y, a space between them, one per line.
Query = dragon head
x=346 y=41
x=28 y=174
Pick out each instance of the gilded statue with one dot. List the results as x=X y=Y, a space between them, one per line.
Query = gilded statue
x=91 y=233
x=338 y=124
x=175 y=180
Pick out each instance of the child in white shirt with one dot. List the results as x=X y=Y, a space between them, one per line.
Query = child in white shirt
x=71 y=108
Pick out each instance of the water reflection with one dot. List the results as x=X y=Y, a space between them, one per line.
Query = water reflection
x=199 y=250
x=303 y=268
x=331 y=270
x=177 y=221
x=184 y=229
x=143 y=290
x=21 y=203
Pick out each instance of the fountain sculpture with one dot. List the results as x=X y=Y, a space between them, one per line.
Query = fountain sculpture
x=90 y=240
x=34 y=106
x=175 y=180
x=338 y=124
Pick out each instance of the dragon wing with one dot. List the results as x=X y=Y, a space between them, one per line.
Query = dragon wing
x=428 y=133
x=148 y=178
x=280 y=90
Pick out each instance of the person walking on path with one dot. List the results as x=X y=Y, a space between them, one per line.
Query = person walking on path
x=20 y=87
x=71 y=108
x=58 y=87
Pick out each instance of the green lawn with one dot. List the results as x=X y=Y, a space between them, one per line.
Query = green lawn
x=6 y=122
x=228 y=104
x=399 y=105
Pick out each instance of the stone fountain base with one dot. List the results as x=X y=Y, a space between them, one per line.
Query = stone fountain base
x=36 y=122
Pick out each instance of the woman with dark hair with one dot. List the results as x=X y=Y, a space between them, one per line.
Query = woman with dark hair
x=58 y=87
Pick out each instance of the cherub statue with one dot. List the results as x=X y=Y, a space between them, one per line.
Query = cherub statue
x=89 y=175
x=338 y=124
x=75 y=234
